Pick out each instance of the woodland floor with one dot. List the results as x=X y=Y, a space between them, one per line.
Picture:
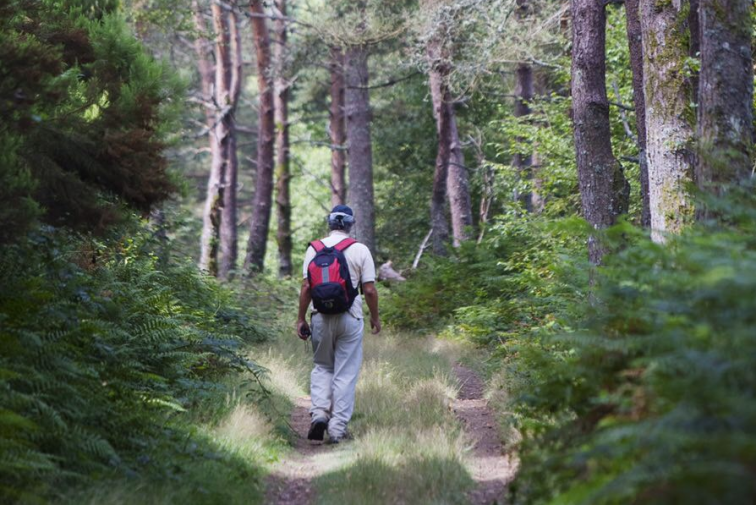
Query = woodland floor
x=301 y=476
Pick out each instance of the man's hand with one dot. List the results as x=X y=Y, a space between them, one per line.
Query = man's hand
x=303 y=329
x=371 y=297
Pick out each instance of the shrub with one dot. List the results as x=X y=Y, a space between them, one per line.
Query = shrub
x=102 y=348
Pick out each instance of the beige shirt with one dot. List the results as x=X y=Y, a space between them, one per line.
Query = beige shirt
x=359 y=261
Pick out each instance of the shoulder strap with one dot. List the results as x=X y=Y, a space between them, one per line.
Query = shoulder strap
x=317 y=245
x=341 y=246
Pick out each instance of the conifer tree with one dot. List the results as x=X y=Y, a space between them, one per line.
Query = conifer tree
x=635 y=47
x=283 y=162
x=603 y=188
x=725 y=108
x=262 y=202
x=337 y=127
x=669 y=127
x=360 y=153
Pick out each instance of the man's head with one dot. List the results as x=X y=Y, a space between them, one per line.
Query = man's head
x=341 y=218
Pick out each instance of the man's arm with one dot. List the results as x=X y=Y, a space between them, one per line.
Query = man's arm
x=303 y=329
x=371 y=297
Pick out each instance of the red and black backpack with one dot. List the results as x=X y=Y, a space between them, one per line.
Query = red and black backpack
x=328 y=274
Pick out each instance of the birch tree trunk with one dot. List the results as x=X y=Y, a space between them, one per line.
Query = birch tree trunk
x=635 y=45
x=603 y=188
x=262 y=201
x=360 y=154
x=725 y=114
x=233 y=76
x=283 y=170
x=210 y=215
x=669 y=130
x=337 y=128
x=213 y=210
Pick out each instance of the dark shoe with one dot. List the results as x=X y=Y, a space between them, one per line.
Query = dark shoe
x=317 y=430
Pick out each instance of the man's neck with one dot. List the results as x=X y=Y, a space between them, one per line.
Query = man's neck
x=338 y=232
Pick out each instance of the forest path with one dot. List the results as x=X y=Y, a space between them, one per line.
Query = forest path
x=290 y=482
x=457 y=459
x=491 y=469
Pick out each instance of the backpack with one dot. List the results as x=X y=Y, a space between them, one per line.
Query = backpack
x=328 y=274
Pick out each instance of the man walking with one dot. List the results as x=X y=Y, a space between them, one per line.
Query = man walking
x=334 y=268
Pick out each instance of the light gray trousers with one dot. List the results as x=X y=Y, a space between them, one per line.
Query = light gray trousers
x=337 y=344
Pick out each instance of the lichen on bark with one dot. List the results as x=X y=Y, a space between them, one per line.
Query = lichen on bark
x=669 y=119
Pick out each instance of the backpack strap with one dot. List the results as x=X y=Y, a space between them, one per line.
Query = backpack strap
x=341 y=246
x=317 y=245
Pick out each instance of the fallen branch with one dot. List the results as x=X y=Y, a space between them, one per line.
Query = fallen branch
x=423 y=247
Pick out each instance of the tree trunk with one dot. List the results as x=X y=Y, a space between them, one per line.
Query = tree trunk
x=337 y=128
x=694 y=46
x=210 y=215
x=283 y=171
x=457 y=183
x=442 y=111
x=220 y=131
x=360 y=154
x=725 y=115
x=522 y=162
x=635 y=45
x=456 y=186
x=603 y=188
x=262 y=201
x=228 y=231
x=669 y=132
x=537 y=199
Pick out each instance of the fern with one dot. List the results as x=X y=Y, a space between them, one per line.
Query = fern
x=95 y=362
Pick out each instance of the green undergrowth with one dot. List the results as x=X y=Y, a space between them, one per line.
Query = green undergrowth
x=408 y=446
x=116 y=365
x=636 y=387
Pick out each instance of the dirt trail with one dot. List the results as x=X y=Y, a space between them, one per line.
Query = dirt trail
x=491 y=469
x=291 y=481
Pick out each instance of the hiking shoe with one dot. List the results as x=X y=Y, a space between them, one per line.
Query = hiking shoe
x=337 y=440
x=317 y=430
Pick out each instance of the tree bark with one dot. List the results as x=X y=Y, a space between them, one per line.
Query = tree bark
x=233 y=76
x=725 y=115
x=442 y=112
x=360 y=154
x=337 y=128
x=283 y=170
x=523 y=162
x=669 y=132
x=603 y=188
x=694 y=44
x=221 y=132
x=209 y=239
x=262 y=201
x=458 y=184
x=635 y=45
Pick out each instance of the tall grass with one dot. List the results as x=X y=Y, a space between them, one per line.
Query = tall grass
x=408 y=445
